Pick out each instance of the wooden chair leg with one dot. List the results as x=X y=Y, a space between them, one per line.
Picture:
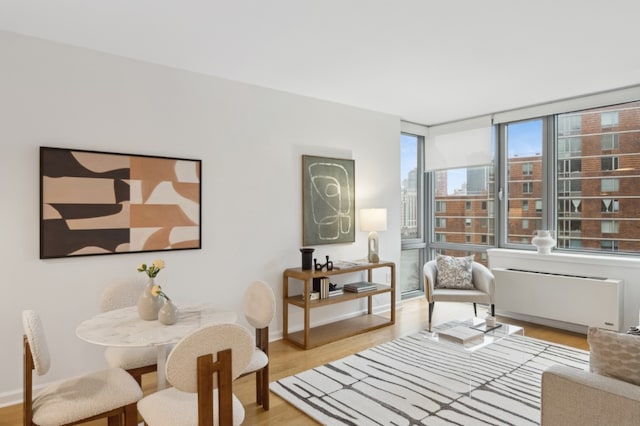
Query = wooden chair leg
x=259 y=387
x=493 y=310
x=131 y=415
x=265 y=387
x=115 y=420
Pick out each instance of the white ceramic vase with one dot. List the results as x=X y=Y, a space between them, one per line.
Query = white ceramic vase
x=544 y=240
x=168 y=314
x=148 y=304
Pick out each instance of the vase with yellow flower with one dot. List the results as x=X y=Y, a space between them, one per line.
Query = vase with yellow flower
x=148 y=303
x=168 y=313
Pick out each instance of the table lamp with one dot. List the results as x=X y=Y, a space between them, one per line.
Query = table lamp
x=373 y=220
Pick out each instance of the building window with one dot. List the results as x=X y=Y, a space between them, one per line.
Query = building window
x=608 y=245
x=609 y=119
x=569 y=125
x=483 y=205
x=609 y=163
x=483 y=238
x=467 y=205
x=467 y=222
x=441 y=206
x=609 y=141
x=609 y=226
x=527 y=187
x=570 y=166
x=440 y=237
x=527 y=169
x=610 y=185
x=441 y=222
x=525 y=205
x=609 y=205
x=569 y=147
x=525 y=223
x=467 y=238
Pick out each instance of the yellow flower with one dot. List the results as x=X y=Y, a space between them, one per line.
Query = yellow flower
x=156 y=291
x=152 y=270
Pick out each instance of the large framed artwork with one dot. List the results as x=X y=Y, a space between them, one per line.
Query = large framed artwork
x=94 y=203
x=328 y=200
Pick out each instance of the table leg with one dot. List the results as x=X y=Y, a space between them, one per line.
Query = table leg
x=161 y=363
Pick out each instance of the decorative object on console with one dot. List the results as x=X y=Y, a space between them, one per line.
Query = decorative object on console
x=373 y=220
x=94 y=203
x=307 y=257
x=149 y=303
x=328 y=200
x=320 y=266
x=544 y=240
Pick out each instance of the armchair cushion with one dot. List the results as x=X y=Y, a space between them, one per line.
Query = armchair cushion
x=454 y=272
x=614 y=354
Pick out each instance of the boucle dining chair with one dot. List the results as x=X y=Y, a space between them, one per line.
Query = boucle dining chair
x=259 y=305
x=458 y=279
x=201 y=368
x=137 y=361
x=110 y=393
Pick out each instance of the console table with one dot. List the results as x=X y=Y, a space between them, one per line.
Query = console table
x=310 y=337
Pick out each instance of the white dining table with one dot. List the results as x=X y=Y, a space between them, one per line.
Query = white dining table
x=124 y=328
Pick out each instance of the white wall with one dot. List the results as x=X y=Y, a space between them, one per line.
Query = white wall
x=250 y=141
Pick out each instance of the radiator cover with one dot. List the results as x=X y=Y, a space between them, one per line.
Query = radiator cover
x=588 y=301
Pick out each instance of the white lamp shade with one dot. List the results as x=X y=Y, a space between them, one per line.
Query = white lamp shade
x=373 y=220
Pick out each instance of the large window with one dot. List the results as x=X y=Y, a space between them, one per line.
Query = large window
x=523 y=142
x=609 y=160
x=577 y=173
x=412 y=214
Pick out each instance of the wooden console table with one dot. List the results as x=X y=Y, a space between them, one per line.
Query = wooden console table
x=310 y=337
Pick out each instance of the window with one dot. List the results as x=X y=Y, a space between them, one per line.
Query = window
x=609 y=205
x=609 y=163
x=413 y=252
x=610 y=185
x=609 y=119
x=441 y=222
x=609 y=226
x=609 y=141
x=577 y=173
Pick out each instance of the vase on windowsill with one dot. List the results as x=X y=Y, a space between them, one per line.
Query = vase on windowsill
x=148 y=304
x=544 y=241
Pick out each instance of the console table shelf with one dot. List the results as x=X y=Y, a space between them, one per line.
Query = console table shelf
x=310 y=337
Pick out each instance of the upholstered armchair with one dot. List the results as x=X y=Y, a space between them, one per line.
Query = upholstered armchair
x=478 y=285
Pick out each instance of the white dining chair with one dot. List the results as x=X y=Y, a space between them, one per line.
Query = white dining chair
x=137 y=361
x=259 y=305
x=201 y=368
x=110 y=393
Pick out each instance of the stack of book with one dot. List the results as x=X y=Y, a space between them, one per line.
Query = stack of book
x=360 y=287
x=322 y=286
x=462 y=334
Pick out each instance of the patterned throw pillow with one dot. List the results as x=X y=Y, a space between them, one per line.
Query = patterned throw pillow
x=454 y=272
x=614 y=354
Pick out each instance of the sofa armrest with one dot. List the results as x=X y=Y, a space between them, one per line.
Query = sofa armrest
x=576 y=397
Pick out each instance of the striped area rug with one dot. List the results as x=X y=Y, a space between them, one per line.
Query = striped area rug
x=416 y=381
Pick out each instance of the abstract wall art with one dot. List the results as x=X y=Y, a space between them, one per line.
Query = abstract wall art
x=94 y=203
x=328 y=194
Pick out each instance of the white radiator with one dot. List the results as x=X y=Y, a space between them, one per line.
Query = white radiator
x=588 y=301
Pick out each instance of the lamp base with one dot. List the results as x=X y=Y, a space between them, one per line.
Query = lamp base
x=373 y=248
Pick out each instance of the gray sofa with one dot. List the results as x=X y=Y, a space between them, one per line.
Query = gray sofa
x=609 y=394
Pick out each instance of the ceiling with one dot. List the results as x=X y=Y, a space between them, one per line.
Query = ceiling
x=425 y=61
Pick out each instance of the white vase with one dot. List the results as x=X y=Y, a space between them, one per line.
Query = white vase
x=544 y=240
x=148 y=304
x=168 y=314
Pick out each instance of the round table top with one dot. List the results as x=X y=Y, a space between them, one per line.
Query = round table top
x=124 y=328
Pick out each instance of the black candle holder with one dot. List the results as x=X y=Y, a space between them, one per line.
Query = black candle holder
x=321 y=266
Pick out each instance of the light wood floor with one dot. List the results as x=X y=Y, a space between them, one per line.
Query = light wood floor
x=287 y=360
